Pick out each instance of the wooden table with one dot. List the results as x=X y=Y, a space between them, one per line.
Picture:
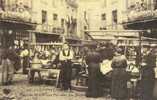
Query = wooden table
x=45 y=74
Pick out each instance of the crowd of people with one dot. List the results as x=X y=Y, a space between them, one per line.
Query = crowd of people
x=105 y=63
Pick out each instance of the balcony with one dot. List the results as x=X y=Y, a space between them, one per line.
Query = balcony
x=72 y=26
x=140 y=17
x=72 y=37
x=72 y=3
x=58 y=30
x=16 y=13
x=45 y=28
x=139 y=12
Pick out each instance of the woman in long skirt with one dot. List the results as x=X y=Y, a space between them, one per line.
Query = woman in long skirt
x=119 y=77
x=148 y=76
x=7 y=70
x=93 y=60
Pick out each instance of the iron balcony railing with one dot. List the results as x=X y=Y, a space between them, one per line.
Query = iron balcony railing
x=50 y=29
x=72 y=3
x=136 y=13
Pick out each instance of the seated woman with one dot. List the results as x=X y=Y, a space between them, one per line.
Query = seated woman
x=35 y=66
x=106 y=69
x=45 y=62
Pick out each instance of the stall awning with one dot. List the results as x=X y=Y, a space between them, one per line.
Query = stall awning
x=47 y=44
x=46 y=37
x=89 y=42
x=112 y=34
x=72 y=38
x=44 y=33
x=141 y=24
x=17 y=24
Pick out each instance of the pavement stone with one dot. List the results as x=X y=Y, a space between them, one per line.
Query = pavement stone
x=25 y=91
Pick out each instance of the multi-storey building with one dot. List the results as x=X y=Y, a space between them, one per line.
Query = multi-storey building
x=115 y=14
x=48 y=20
x=55 y=19
x=71 y=21
x=91 y=16
x=98 y=15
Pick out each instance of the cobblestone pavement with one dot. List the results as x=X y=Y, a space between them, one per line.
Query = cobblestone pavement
x=25 y=91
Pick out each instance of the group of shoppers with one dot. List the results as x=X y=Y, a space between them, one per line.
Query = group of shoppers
x=117 y=64
x=94 y=57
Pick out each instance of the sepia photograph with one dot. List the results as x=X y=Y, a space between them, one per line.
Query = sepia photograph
x=78 y=49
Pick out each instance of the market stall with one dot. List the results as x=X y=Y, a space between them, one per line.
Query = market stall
x=133 y=44
x=48 y=53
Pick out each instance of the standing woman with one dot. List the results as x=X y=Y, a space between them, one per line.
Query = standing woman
x=25 y=55
x=65 y=56
x=148 y=76
x=7 y=68
x=93 y=60
x=119 y=76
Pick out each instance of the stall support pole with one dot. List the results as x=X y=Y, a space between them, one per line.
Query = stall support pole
x=139 y=49
x=125 y=52
x=29 y=42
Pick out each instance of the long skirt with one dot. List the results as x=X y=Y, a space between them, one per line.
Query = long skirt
x=7 y=72
x=147 y=83
x=66 y=73
x=119 y=84
x=94 y=81
x=155 y=90
x=25 y=65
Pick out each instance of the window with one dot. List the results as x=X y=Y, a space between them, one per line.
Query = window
x=62 y=22
x=114 y=17
x=155 y=4
x=103 y=16
x=55 y=17
x=44 y=16
x=105 y=3
x=2 y=4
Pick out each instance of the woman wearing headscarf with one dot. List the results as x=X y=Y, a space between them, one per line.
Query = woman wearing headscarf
x=119 y=76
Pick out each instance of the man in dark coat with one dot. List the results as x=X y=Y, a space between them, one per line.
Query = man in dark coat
x=93 y=60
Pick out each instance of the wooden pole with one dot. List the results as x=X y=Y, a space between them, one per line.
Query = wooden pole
x=139 y=49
